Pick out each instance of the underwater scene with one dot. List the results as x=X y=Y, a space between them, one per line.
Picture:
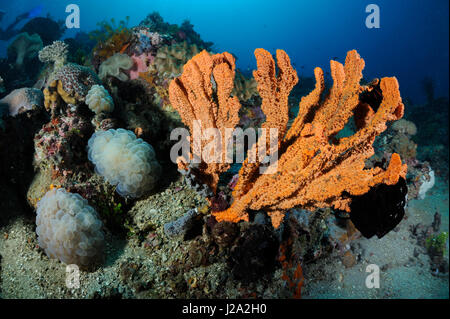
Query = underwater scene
x=175 y=149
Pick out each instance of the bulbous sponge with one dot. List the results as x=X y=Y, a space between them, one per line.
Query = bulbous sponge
x=125 y=161
x=99 y=100
x=69 y=229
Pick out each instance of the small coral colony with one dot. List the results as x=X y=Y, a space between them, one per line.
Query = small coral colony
x=103 y=106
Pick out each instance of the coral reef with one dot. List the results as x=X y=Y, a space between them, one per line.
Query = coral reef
x=434 y=243
x=146 y=40
x=60 y=144
x=96 y=164
x=124 y=161
x=115 y=66
x=111 y=39
x=432 y=134
x=170 y=59
x=16 y=142
x=24 y=47
x=420 y=179
x=244 y=88
x=99 y=100
x=55 y=53
x=185 y=32
x=69 y=229
x=21 y=100
x=80 y=48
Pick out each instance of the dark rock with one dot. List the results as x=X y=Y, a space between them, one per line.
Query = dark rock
x=254 y=254
x=380 y=210
x=436 y=225
x=224 y=233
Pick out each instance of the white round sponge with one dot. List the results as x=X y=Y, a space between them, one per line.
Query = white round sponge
x=68 y=228
x=99 y=100
x=124 y=160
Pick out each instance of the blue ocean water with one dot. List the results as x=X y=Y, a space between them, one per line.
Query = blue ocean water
x=411 y=43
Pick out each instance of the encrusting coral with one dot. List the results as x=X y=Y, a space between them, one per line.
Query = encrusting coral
x=314 y=168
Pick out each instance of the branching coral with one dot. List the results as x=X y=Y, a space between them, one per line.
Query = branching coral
x=244 y=88
x=315 y=169
x=55 y=53
x=192 y=96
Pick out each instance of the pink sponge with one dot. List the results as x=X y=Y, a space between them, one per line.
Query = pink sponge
x=141 y=63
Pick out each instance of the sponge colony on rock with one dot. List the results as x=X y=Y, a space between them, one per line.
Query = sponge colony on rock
x=124 y=160
x=68 y=228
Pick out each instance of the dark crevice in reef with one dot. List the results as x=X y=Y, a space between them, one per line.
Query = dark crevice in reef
x=16 y=161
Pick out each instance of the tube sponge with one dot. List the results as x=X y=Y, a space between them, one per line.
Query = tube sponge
x=124 y=160
x=68 y=228
x=99 y=100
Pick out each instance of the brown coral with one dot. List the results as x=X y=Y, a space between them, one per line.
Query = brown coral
x=315 y=169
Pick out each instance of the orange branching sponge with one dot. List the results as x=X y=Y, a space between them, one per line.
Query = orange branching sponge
x=274 y=91
x=315 y=169
x=194 y=97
